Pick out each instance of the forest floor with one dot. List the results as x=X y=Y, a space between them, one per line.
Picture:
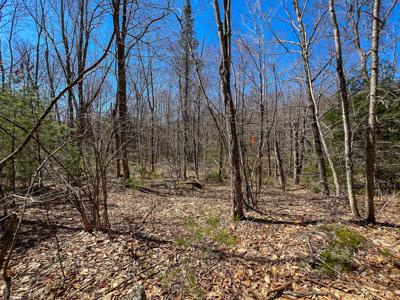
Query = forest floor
x=181 y=243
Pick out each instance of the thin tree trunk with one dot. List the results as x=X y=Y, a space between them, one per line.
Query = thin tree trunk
x=296 y=158
x=120 y=27
x=371 y=129
x=2 y=71
x=260 y=149
x=221 y=161
x=269 y=169
x=279 y=163
x=345 y=111
x=117 y=140
x=319 y=140
x=185 y=113
x=224 y=32
x=68 y=67
x=196 y=138
x=302 y=144
x=355 y=23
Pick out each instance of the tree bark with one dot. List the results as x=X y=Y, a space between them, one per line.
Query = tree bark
x=279 y=163
x=224 y=32
x=355 y=23
x=120 y=28
x=371 y=129
x=320 y=143
x=68 y=67
x=2 y=71
x=344 y=99
x=116 y=138
x=302 y=144
x=296 y=158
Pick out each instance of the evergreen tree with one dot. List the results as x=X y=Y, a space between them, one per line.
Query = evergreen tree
x=188 y=44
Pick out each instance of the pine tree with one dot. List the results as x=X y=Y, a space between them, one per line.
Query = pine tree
x=188 y=44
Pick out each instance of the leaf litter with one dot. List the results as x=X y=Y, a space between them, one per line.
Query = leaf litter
x=274 y=254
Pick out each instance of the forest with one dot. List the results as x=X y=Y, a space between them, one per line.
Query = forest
x=199 y=149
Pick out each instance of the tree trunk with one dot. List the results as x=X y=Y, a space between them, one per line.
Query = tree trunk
x=279 y=163
x=221 y=161
x=345 y=111
x=302 y=144
x=355 y=23
x=259 y=171
x=68 y=67
x=117 y=140
x=197 y=135
x=185 y=113
x=152 y=113
x=296 y=158
x=318 y=150
x=319 y=140
x=2 y=71
x=371 y=129
x=120 y=28
x=224 y=32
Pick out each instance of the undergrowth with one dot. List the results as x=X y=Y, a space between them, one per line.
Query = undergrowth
x=198 y=236
x=337 y=257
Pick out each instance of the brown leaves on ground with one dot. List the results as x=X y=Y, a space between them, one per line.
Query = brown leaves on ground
x=275 y=254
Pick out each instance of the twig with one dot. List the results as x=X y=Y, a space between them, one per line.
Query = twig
x=149 y=213
x=387 y=202
x=301 y=294
x=128 y=280
x=58 y=247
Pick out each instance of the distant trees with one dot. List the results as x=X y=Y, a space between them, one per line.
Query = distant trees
x=319 y=143
x=80 y=100
x=159 y=105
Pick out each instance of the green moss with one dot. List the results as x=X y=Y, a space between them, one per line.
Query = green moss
x=224 y=237
x=197 y=233
x=338 y=256
x=336 y=260
x=386 y=253
x=316 y=189
x=134 y=183
x=214 y=175
x=213 y=221
x=267 y=180
x=181 y=242
x=349 y=238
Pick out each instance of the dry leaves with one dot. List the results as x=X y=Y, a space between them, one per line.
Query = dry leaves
x=271 y=259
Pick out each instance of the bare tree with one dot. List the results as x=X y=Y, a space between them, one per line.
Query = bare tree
x=371 y=129
x=344 y=100
x=319 y=142
x=354 y=17
x=68 y=64
x=121 y=29
x=225 y=33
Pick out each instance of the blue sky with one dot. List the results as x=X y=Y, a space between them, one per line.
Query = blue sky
x=206 y=29
x=203 y=12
